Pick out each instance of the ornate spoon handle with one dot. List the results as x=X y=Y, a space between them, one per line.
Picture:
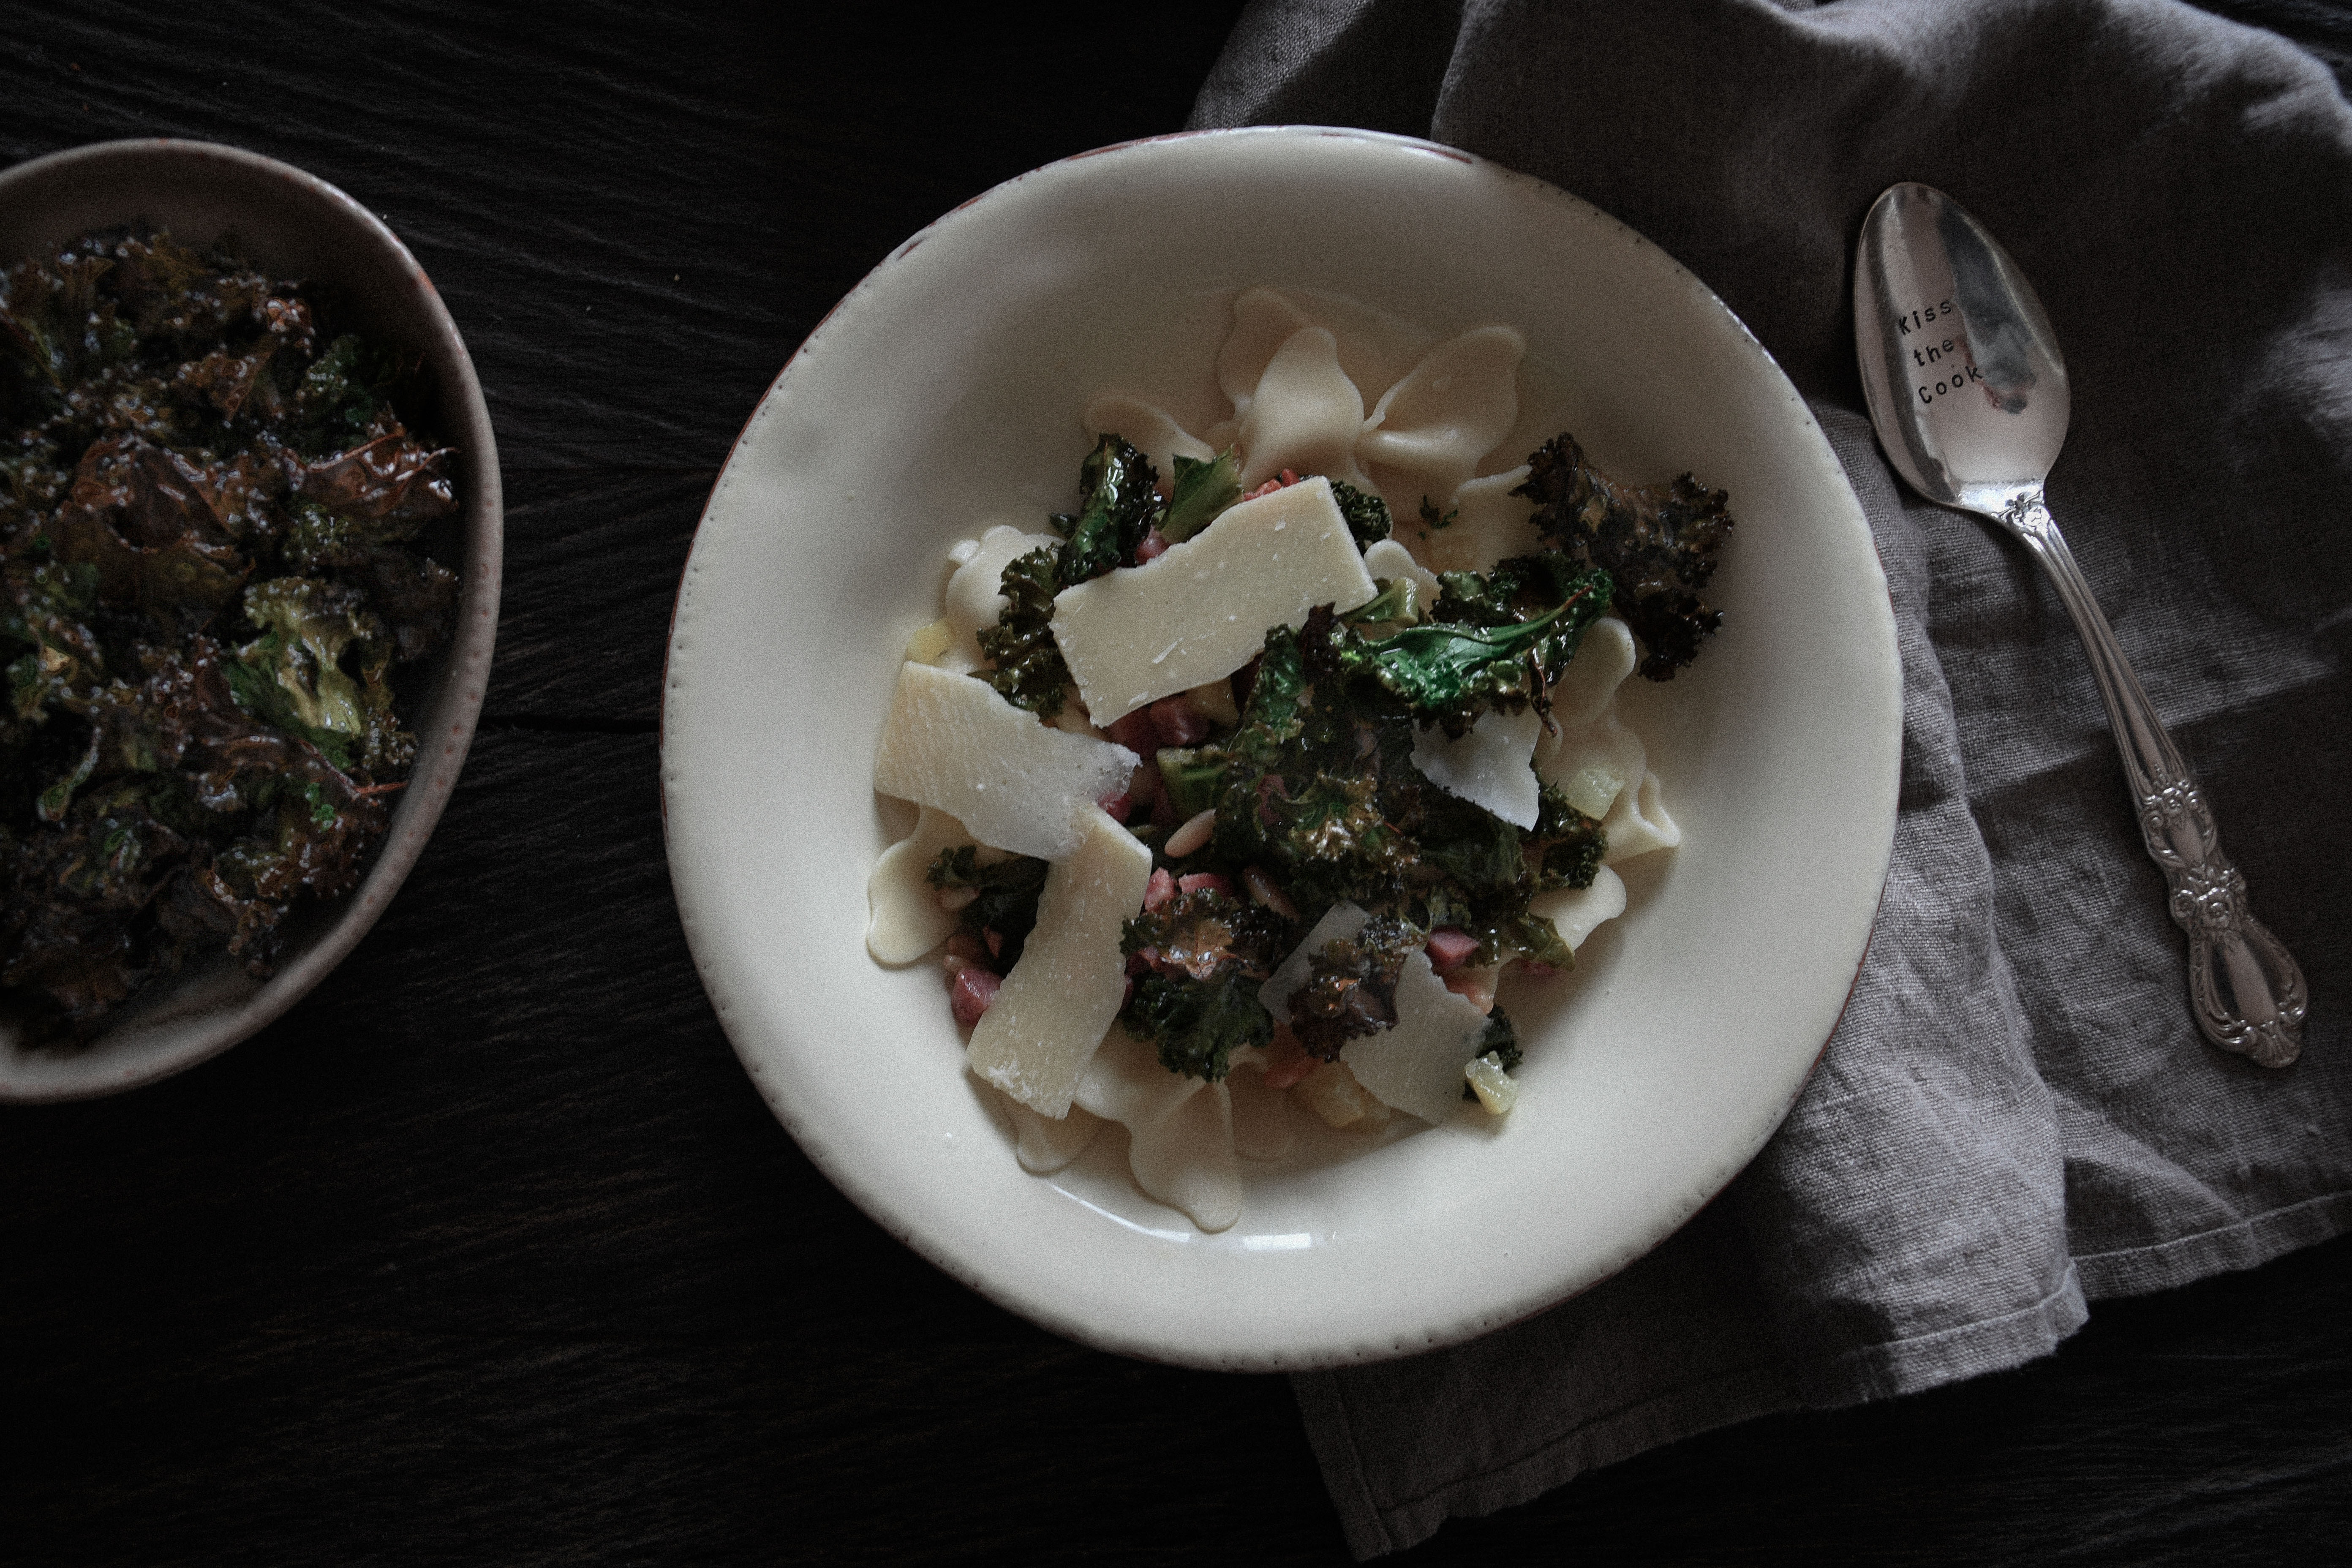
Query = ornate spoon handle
x=2248 y=991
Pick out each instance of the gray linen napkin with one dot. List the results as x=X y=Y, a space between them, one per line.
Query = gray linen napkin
x=2017 y=1115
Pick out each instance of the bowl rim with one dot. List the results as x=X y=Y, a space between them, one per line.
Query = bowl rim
x=149 y=1046
x=961 y=1261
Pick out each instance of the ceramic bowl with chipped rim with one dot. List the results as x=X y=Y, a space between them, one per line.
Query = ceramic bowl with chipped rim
x=944 y=394
x=289 y=225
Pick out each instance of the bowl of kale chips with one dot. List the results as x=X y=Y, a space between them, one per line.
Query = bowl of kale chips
x=249 y=552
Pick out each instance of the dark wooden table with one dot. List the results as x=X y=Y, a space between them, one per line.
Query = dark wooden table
x=488 y=1252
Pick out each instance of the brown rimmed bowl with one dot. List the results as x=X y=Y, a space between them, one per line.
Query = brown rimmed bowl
x=290 y=225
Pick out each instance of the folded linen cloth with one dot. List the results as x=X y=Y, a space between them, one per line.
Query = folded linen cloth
x=2017 y=1114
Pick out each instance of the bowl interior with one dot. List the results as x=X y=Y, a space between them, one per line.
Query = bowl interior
x=292 y=225
x=945 y=394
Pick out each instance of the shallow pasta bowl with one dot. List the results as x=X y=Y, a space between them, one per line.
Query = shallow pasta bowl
x=945 y=394
x=292 y=225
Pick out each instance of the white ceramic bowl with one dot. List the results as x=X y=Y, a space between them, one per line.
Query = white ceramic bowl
x=945 y=391
x=292 y=225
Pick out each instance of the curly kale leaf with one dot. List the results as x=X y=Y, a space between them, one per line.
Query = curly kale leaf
x=292 y=676
x=1565 y=846
x=1207 y=953
x=1368 y=515
x=1118 y=500
x=1198 y=1025
x=1658 y=544
x=1200 y=495
x=1029 y=671
x=1350 y=986
x=1003 y=908
x=1396 y=601
x=1456 y=666
x=1500 y=1041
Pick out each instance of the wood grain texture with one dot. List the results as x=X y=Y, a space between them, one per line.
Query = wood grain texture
x=488 y=1252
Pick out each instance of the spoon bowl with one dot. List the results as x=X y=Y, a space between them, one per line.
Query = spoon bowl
x=1965 y=379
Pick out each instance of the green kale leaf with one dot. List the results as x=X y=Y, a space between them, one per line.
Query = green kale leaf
x=1368 y=515
x=1028 y=670
x=1350 y=986
x=1205 y=954
x=1658 y=545
x=1117 y=503
x=1004 y=901
x=1201 y=494
x=1451 y=668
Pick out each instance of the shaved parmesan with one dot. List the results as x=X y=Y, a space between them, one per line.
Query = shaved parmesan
x=952 y=743
x=1489 y=765
x=1416 y=1063
x=1202 y=610
x=1035 y=1038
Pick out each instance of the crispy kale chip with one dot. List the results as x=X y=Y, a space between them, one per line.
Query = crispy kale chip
x=1004 y=907
x=292 y=676
x=1487 y=645
x=1368 y=515
x=212 y=523
x=1028 y=668
x=1204 y=954
x=1116 y=504
x=1317 y=789
x=1657 y=544
x=1565 y=846
x=1350 y=986
x=1201 y=494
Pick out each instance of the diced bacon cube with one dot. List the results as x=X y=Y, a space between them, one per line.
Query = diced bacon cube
x=971 y=992
x=1287 y=1060
x=1215 y=881
x=1136 y=731
x=1179 y=722
x=1450 y=948
x=1152 y=548
x=1118 y=806
x=1160 y=890
x=1476 y=986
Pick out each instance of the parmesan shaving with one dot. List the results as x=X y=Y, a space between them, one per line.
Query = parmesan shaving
x=1035 y=1038
x=951 y=744
x=1135 y=634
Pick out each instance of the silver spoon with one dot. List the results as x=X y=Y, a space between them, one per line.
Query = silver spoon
x=1969 y=393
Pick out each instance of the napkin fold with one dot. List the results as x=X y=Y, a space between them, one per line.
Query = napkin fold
x=2017 y=1116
